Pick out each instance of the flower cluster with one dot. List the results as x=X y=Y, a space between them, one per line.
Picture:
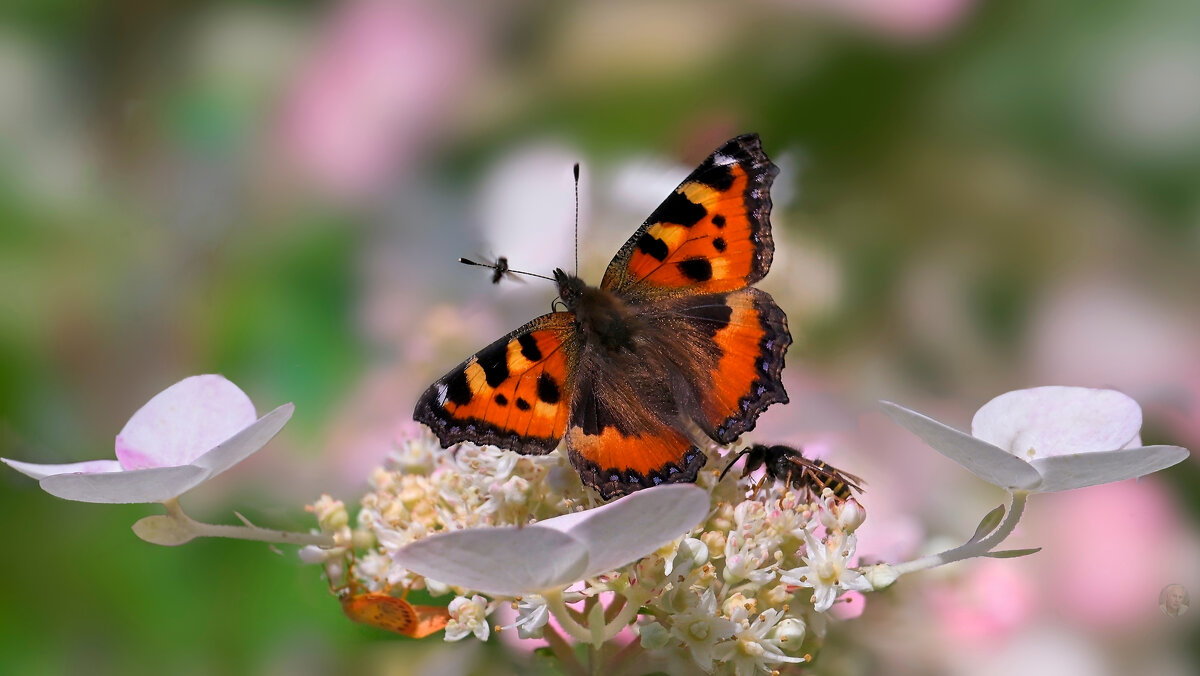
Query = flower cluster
x=729 y=573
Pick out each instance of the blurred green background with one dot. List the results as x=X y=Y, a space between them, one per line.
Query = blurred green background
x=976 y=197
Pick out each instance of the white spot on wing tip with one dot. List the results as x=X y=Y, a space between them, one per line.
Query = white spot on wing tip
x=442 y=391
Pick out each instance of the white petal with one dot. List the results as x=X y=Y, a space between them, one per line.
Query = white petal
x=1063 y=472
x=625 y=530
x=42 y=471
x=241 y=445
x=988 y=462
x=498 y=561
x=182 y=422
x=1058 y=421
x=132 y=486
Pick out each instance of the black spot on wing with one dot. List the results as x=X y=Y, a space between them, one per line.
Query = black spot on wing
x=653 y=246
x=696 y=269
x=529 y=347
x=718 y=221
x=494 y=360
x=678 y=209
x=501 y=400
x=458 y=390
x=522 y=404
x=719 y=244
x=547 y=389
x=718 y=176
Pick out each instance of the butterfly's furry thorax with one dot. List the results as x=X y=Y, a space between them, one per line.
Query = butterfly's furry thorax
x=600 y=316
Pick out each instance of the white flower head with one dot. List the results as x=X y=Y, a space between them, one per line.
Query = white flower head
x=185 y=435
x=753 y=650
x=468 y=616
x=532 y=615
x=1047 y=439
x=700 y=627
x=827 y=572
x=690 y=554
x=748 y=558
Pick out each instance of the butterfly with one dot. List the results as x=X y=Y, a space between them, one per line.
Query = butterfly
x=787 y=464
x=674 y=339
x=384 y=611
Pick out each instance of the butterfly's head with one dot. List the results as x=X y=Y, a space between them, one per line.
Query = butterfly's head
x=570 y=288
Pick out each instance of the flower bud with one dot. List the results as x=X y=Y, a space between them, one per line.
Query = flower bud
x=692 y=554
x=851 y=515
x=881 y=576
x=331 y=514
x=654 y=636
x=790 y=633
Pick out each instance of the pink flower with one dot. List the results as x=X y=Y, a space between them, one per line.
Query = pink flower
x=1123 y=544
x=989 y=605
x=382 y=76
x=187 y=434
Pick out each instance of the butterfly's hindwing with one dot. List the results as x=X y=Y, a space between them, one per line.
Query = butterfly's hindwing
x=711 y=234
x=618 y=446
x=514 y=393
x=730 y=349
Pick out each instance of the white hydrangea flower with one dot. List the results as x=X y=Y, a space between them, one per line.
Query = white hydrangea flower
x=747 y=558
x=185 y=435
x=1047 y=439
x=689 y=555
x=532 y=615
x=753 y=650
x=468 y=616
x=827 y=571
x=554 y=553
x=691 y=566
x=700 y=628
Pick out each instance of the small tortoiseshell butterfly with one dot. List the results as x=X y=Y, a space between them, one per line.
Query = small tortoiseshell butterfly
x=673 y=337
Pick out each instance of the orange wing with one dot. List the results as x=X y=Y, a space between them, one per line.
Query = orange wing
x=712 y=234
x=619 y=446
x=395 y=614
x=751 y=339
x=514 y=393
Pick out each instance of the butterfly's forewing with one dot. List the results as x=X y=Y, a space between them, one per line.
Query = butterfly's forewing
x=711 y=234
x=514 y=393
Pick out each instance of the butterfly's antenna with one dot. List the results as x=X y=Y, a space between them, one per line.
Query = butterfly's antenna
x=576 y=170
x=733 y=462
x=493 y=266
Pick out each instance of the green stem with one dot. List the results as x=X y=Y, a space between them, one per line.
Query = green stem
x=554 y=602
x=199 y=529
x=971 y=549
x=562 y=650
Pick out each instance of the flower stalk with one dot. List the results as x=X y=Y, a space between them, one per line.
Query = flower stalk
x=176 y=527
x=975 y=547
